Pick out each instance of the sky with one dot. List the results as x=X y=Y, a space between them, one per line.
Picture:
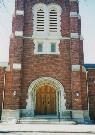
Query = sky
x=87 y=12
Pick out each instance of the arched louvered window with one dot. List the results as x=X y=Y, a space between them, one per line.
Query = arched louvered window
x=46 y=28
x=53 y=20
x=47 y=20
x=40 y=20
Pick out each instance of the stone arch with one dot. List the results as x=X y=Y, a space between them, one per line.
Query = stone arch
x=61 y=101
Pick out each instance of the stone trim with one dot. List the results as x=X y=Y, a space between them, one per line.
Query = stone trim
x=75 y=68
x=17 y=66
x=10 y=116
x=18 y=33
x=60 y=100
x=65 y=38
x=19 y=12
x=50 y=38
x=80 y=115
x=81 y=37
x=47 y=37
x=75 y=35
x=46 y=46
x=73 y=0
x=74 y=14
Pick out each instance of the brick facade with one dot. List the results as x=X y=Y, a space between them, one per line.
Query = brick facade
x=91 y=89
x=91 y=92
x=66 y=67
x=1 y=88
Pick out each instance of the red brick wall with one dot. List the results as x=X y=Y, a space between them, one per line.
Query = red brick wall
x=13 y=85
x=84 y=93
x=55 y=66
x=78 y=86
x=91 y=92
x=8 y=94
x=1 y=87
x=74 y=7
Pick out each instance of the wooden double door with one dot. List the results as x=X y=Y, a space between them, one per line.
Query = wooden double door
x=45 y=100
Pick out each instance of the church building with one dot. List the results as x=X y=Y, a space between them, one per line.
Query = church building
x=45 y=76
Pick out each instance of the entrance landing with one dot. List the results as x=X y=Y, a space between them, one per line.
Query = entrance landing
x=45 y=120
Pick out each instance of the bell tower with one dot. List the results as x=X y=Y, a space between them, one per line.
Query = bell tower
x=46 y=52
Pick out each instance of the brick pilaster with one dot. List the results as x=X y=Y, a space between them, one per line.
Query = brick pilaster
x=15 y=54
x=78 y=83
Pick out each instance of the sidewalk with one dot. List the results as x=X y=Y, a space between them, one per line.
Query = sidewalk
x=47 y=128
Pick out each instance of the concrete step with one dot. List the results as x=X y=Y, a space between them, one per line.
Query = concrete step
x=46 y=121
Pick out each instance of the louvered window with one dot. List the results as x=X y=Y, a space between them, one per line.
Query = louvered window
x=53 y=21
x=40 y=20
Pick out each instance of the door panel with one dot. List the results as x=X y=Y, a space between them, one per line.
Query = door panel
x=46 y=100
x=48 y=103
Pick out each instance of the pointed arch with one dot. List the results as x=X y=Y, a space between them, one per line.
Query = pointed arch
x=60 y=100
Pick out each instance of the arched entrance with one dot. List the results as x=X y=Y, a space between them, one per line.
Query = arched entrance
x=45 y=100
x=45 y=97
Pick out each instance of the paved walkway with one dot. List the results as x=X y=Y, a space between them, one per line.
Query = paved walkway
x=34 y=133
x=47 y=128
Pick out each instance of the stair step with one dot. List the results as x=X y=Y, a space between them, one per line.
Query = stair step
x=46 y=121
